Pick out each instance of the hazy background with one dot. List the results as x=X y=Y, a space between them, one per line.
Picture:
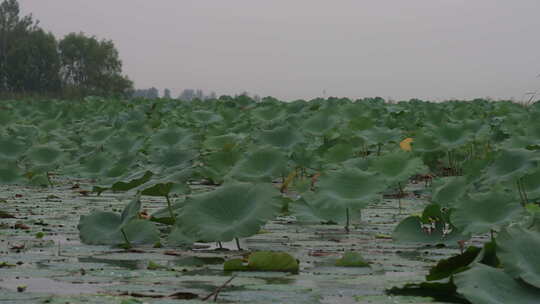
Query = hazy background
x=431 y=49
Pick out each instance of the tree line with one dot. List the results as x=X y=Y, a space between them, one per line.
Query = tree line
x=34 y=62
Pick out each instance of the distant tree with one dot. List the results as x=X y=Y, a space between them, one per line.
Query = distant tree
x=89 y=66
x=187 y=94
x=33 y=64
x=151 y=93
x=28 y=55
x=167 y=94
x=212 y=95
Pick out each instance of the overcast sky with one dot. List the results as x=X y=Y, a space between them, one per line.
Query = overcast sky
x=290 y=49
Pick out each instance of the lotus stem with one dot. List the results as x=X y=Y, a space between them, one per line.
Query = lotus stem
x=238 y=244
x=400 y=188
x=348 y=220
x=171 y=212
x=220 y=245
x=128 y=243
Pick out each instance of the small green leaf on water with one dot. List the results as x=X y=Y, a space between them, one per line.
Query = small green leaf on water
x=235 y=265
x=154 y=266
x=40 y=235
x=352 y=259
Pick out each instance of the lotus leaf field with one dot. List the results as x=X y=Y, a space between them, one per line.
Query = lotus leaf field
x=236 y=201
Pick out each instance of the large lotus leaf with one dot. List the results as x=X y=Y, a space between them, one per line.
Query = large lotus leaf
x=315 y=208
x=232 y=211
x=487 y=285
x=218 y=164
x=452 y=265
x=398 y=166
x=107 y=228
x=452 y=136
x=44 y=154
x=511 y=164
x=123 y=143
x=519 y=251
x=320 y=123
x=339 y=153
x=480 y=213
x=431 y=228
x=425 y=143
x=98 y=135
x=221 y=142
x=350 y=188
x=381 y=135
x=11 y=147
x=172 y=183
x=97 y=164
x=171 y=136
x=281 y=137
x=205 y=117
x=531 y=184
x=173 y=158
x=448 y=190
x=263 y=164
x=268 y=113
x=10 y=173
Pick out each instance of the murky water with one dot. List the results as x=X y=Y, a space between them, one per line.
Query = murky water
x=59 y=265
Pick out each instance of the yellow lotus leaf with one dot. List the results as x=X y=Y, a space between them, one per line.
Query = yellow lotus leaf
x=405 y=144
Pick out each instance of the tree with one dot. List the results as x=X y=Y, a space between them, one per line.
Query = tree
x=33 y=64
x=167 y=94
x=89 y=66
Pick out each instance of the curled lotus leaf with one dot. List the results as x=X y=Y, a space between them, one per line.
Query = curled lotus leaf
x=280 y=137
x=487 y=285
x=480 y=213
x=263 y=164
x=44 y=154
x=452 y=136
x=171 y=136
x=519 y=251
x=448 y=190
x=398 y=166
x=11 y=148
x=107 y=228
x=233 y=210
x=511 y=165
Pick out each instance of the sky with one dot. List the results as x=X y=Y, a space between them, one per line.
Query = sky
x=302 y=49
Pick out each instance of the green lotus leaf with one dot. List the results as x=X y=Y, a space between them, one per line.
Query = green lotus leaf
x=164 y=186
x=531 y=184
x=452 y=136
x=123 y=143
x=319 y=124
x=222 y=142
x=352 y=259
x=44 y=154
x=281 y=137
x=263 y=164
x=171 y=159
x=107 y=228
x=272 y=261
x=178 y=237
x=487 y=285
x=205 y=117
x=398 y=166
x=448 y=190
x=171 y=136
x=268 y=113
x=380 y=135
x=511 y=165
x=452 y=265
x=519 y=252
x=480 y=213
x=339 y=153
x=99 y=135
x=425 y=143
x=264 y=261
x=11 y=148
x=314 y=209
x=97 y=164
x=349 y=188
x=433 y=227
x=219 y=164
x=10 y=173
x=232 y=211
